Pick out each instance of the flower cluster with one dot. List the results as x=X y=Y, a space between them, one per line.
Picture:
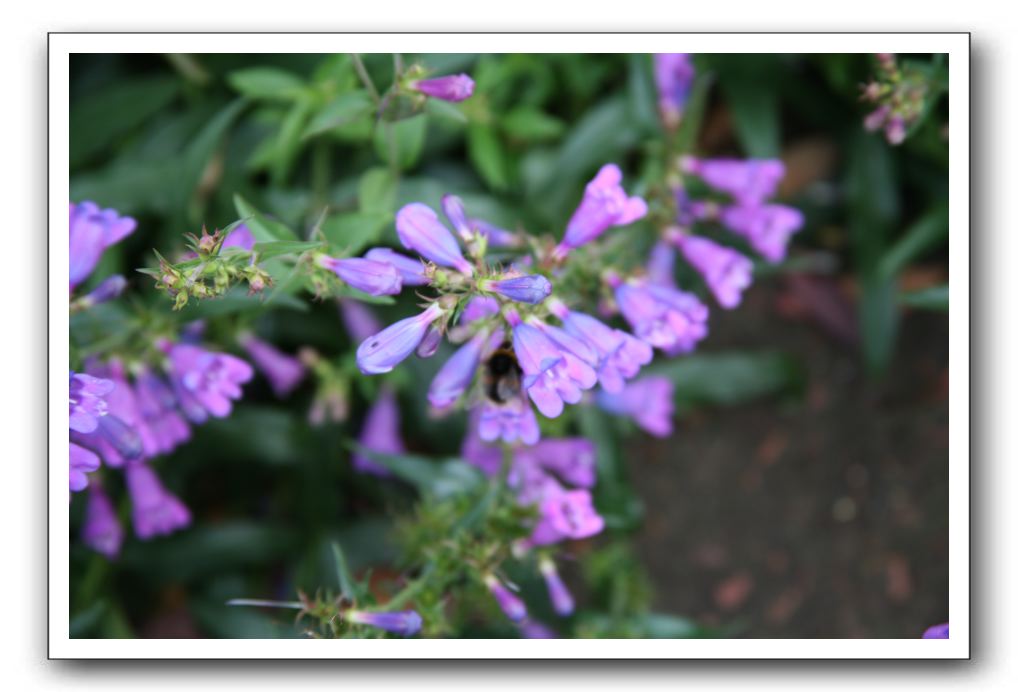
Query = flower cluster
x=899 y=96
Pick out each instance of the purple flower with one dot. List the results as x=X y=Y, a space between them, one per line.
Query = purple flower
x=649 y=401
x=457 y=373
x=122 y=434
x=420 y=230
x=673 y=75
x=430 y=342
x=284 y=372
x=477 y=452
x=875 y=120
x=92 y=230
x=551 y=376
x=155 y=511
x=380 y=433
x=661 y=264
x=573 y=459
x=569 y=514
x=386 y=349
x=895 y=130
x=532 y=629
x=359 y=320
x=767 y=227
x=102 y=531
x=619 y=355
x=411 y=270
x=82 y=461
x=497 y=237
x=663 y=317
x=454 y=210
x=727 y=272
x=749 y=181
x=510 y=421
x=510 y=604
x=478 y=308
x=561 y=599
x=87 y=401
x=205 y=381
x=457 y=87
x=372 y=277
x=158 y=407
x=529 y=288
x=240 y=237
x=405 y=623
x=111 y=287
x=604 y=204
x=938 y=632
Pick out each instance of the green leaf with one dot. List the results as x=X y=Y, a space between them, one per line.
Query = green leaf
x=754 y=106
x=268 y=83
x=376 y=191
x=274 y=248
x=202 y=149
x=642 y=92
x=100 y=118
x=262 y=228
x=443 y=109
x=344 y=109
x=488 y=156
x=729 y=378
x=288 y=140
x=440 y=478
x=237 y=301
x=400 y=143
x=933 y=298
x=352 y=232
x=661 y=626
x=226 y=622
x=531 y=124
x=85 y=621
x=923 y=235
x=346 y=582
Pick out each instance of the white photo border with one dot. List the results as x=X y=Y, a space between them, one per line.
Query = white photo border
x=956 y=45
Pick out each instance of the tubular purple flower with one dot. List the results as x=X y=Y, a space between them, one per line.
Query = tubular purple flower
x=454 y=88
x=420 y=230
x=205 y=381
x=529 y=288
x=158 y=408
x=411 y=270
x=604 y=205
x=749 y=181
x=895 y=130
x=405 y=623
x=661 y=264
x=673 y=76
x=497 y=237
x=430 y=343
x=514 y=420
x=727 y=272
x=532 y=629
x=102 y=531
x=649 y=401
x=82 y=461
x=111 y=287
x=875 y=120
x=87 y=401
x=372 y=277
x=478 y=308
x=573 y=459
x=457 y=373
x=663 y=317
x=454 y=210
x=283 y=371
x=383 y=351
x=938 y=632
x=570 y=514
x=561 y=599
x=619 y=355
x=510 y=604
x=92 y=230
x=380 y=433
x=551 y=376
x=567 y=341
x=766 y=227
x=155 y=511
x=122 y=434
x=359 y=320
x=240 y=237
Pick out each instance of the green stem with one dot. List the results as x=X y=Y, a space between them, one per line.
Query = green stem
x=365 y=78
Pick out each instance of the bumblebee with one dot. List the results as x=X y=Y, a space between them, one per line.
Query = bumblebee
x=502 y=374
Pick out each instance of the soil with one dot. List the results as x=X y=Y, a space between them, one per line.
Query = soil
x=821 y=518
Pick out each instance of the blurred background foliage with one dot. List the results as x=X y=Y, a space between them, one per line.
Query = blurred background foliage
x=291 y=142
